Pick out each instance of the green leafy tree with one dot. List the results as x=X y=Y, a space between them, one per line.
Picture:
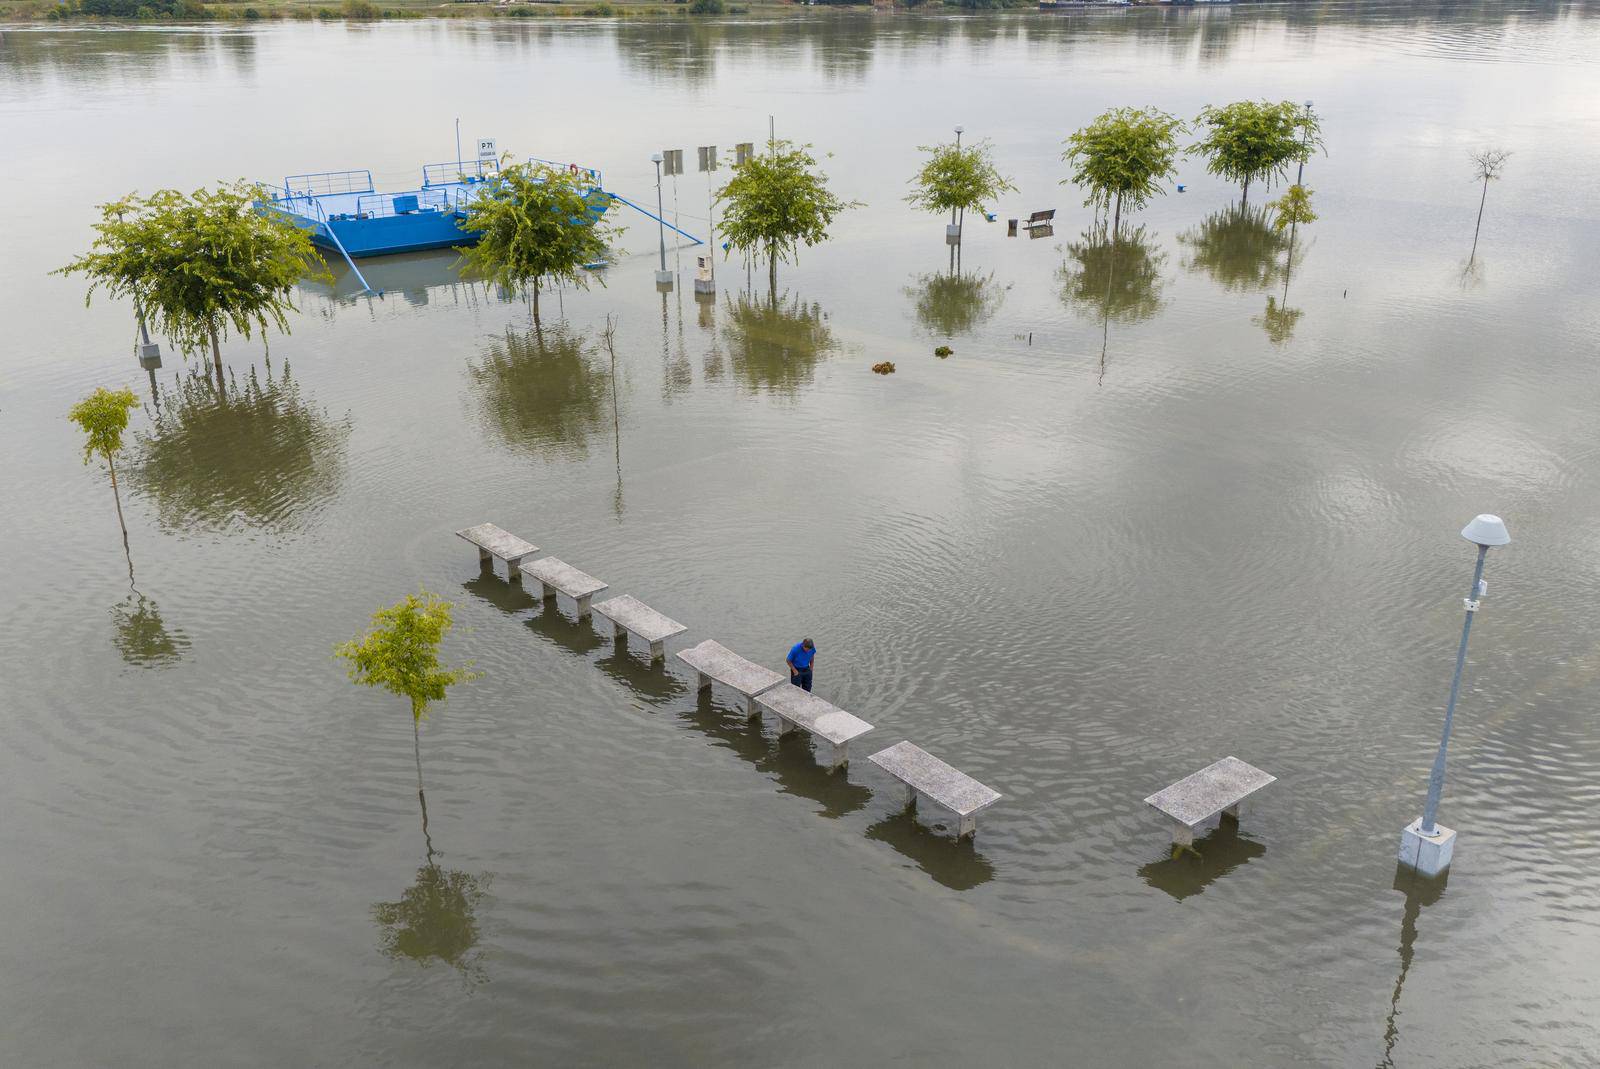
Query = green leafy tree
x=1123 y=156
x=1292 y=209
x=777 y=202
x=1486 y=167
x=401 y=653
x=955 y=179
x=103 y=416
x=200 y=264
x=538 y=225
x=1256 y=141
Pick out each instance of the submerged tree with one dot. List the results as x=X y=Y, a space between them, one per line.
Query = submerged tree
x=103 y=416
x=259 y=453
x=775 y=344
x=537 y=225
x=1278 y=321
x=1292 y=209
x=1288 y=213
x=1124 y=155
x=775 y=203
x=1486 y=167
x=948 y=305
x=434 y=920
x=955 y=179
x=1255 y=141
x=401 y=655
x=200 y=264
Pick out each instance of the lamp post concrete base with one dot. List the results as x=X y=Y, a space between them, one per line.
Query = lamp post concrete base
x=664 y=279
x=1428 y=854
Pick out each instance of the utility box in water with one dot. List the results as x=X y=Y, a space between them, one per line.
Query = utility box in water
x=150 y=356
x=705 y=283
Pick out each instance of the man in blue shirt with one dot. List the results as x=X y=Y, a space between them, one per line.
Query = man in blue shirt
x=800 y=658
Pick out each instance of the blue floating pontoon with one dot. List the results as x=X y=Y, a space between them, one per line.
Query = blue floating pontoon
x=343 y=212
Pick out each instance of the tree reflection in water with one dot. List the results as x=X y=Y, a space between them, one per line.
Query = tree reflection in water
x=774 y=343
x=957 y=303
x=436 y=917
x=1112 y=278
x=1239 y=248
x=258 y=455
x=141 y=635
x=1278 y=320
x=542 y=392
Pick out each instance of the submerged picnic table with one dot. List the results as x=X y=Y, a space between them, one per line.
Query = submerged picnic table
x=549 y=574
x=923 y=773
x=712 y=661
x=629 y=615
x=494 y=542
x=797 y=708
x=1216 y=789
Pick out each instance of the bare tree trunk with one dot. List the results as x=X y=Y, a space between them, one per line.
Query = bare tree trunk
x=1483 y=197
x=772 y=271
x=536 y=303
x=116 y=495
x=1116 y=216
x=1244 y=198
x=422 y=799
x=216 y=357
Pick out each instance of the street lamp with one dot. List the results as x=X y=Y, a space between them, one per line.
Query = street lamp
x=1300 y=176
x=1426 y=845
x=954 y=232
x=663 y=276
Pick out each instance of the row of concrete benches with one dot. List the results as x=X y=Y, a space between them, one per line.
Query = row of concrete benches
x=764 y=690
x=1192 y=804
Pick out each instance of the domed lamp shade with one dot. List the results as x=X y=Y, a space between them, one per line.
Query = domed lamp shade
x=1486 y=530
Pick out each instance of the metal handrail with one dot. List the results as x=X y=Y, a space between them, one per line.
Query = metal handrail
x=323 y=183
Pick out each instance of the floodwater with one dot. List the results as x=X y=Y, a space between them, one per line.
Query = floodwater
x=1184 y=496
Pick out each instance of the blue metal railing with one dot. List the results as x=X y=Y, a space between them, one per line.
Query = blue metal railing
x=381 y=205
x=592 y=172
x=443 y=174
x=326 y=182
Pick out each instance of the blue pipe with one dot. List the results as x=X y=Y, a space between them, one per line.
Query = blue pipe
x=340 y=246
x=653 y=215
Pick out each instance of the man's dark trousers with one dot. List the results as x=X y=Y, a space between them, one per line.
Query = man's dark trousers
x=801 y=678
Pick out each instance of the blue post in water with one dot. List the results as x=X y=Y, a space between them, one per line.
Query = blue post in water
x=1426 y=845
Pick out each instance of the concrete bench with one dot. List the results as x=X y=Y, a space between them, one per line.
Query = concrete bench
x=493 y=542
x=629 y=615
x=712 y=661
x=1214 y=790
x=549 y=575
x=797 y=708
x=923 y=773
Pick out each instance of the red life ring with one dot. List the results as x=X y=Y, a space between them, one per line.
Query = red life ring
x=572 y=168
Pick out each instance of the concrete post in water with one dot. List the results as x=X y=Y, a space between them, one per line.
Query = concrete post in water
x=1426 y=845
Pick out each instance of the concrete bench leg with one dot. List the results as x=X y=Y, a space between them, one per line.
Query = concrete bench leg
x=840 y=756
x=966 y=826
x=658 y=651
x=1236 y=811
x=514 y=569
x=539 y=591
x=485 y=558
x=583 y=606
x=702 y=681
x=911 y=796
x=1182 y=835
x=751 y=709
x=784 y=727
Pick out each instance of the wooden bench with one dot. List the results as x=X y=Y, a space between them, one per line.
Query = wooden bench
x=1040 y=219
x=629 y=615
x=797 y=708
x=712 y=661
x=923 y=773
x=1214 y=790
x=493 y=542
x=549 y=575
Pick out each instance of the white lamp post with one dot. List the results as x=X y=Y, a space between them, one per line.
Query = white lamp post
x=1300 y=176
x=663 y=276
x=1426 y=845
x=952 y=233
